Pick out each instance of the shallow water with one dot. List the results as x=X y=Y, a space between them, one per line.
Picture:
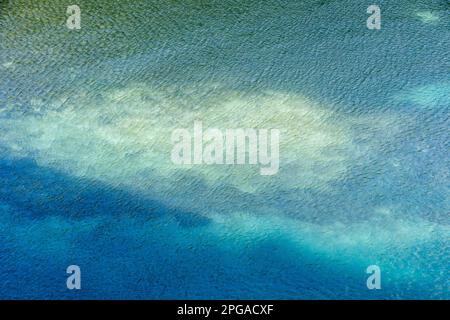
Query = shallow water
x=85 y=171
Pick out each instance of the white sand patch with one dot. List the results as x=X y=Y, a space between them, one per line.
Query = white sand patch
x=124 y=139
x=428 y=17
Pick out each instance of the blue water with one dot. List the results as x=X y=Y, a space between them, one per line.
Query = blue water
x=86 y=177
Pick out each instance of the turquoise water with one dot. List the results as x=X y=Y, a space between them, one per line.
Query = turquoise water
x=86 y=177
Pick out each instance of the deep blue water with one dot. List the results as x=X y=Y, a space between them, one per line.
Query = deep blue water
x=85 y=171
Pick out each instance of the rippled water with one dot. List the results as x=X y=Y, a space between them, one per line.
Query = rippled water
x=86 y=178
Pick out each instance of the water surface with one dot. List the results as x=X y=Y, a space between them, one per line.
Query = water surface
x=85 y=172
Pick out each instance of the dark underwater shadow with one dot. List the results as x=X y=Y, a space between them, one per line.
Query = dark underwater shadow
x=38 y=192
